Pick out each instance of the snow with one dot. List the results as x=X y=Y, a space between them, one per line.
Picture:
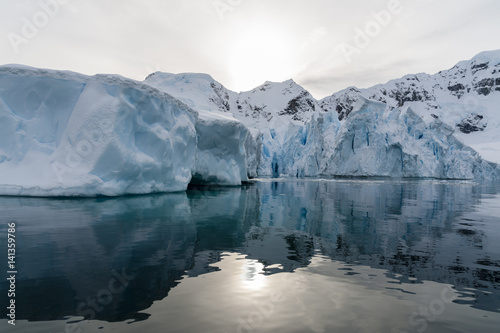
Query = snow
x=198 y=91
x=67 y=134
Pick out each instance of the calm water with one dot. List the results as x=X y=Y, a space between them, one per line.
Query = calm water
x=274 y=256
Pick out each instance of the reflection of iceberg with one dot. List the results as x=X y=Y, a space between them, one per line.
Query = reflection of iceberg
x=405 y=228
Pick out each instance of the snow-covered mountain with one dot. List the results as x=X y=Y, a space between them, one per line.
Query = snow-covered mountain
x=465 y=97
x=199 y=91
x=418 y=126
x=285 y=100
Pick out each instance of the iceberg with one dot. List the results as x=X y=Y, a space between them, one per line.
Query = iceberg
x=67 y=134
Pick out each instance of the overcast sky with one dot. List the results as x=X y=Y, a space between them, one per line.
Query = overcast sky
x=324 y=45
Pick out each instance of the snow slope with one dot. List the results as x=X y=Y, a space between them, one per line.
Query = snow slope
x=198 y=91
x=68 y=134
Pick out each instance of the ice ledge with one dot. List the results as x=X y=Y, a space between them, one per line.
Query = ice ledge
x=68 y=134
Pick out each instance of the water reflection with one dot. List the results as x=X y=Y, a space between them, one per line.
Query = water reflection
x=74 y=254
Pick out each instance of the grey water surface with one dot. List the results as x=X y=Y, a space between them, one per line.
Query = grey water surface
x=277 y=255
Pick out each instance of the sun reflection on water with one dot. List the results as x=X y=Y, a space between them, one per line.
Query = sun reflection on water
x=253 y=275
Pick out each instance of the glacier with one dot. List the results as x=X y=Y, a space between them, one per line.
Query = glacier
x=274 y=113
x=398 y=143
x=67 y=134
x=378 y=142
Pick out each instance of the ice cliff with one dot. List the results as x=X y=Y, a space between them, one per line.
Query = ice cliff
x=375 y=141
x=65 y=134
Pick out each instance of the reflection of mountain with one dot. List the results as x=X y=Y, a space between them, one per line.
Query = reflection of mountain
x=67 y=249
x=422 y=230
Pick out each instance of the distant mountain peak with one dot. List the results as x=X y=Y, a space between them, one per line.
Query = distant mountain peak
x=488 y=56
x=181 y=77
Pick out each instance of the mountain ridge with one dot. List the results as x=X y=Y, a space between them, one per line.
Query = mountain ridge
x=476 y=64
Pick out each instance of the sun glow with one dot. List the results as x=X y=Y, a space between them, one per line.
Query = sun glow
x=259 y=54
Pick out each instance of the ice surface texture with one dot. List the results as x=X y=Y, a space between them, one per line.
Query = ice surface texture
x=66 y=134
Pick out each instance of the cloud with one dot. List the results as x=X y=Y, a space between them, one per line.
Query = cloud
x=129 y=36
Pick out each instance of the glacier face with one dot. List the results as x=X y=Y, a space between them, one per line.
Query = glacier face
x=279 y=111
x=398 y=143
x=67 y=134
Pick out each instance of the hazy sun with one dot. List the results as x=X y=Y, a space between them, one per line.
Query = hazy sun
x=258 y=54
